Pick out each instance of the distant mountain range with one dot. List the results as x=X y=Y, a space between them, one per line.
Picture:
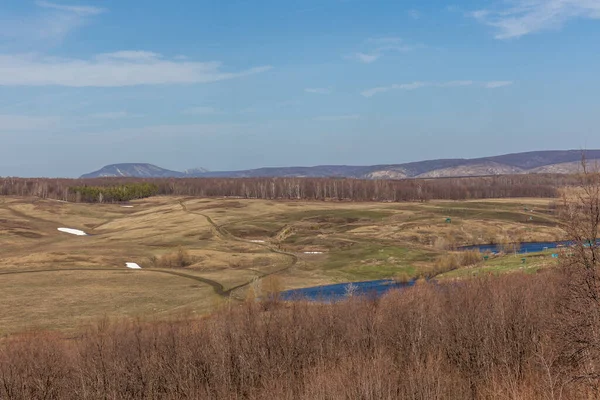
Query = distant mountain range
x=559 y=161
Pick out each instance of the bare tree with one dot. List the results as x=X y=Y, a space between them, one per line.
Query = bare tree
x=579 y=309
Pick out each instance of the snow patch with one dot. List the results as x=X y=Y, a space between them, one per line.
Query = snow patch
x=313 y=252
x=257 y=241
x=127 y=206
x=132 y=265
x=73 y=231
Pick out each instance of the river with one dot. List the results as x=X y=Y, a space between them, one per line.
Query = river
x=341 y=291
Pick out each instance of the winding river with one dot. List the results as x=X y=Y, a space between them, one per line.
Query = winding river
x=341 y=291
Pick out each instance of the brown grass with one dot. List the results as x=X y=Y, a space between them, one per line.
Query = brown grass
x=65 y=300
x=360 y=240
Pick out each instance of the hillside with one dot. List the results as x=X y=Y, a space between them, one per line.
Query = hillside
x=136 y=170
x=560 y=161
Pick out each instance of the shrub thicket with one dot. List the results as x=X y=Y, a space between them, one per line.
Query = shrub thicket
x=489 y=338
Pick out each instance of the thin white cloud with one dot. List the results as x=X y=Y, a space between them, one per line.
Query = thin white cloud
x=373 y=91
x=129 y=55
x=456 y=83
x=200 y=111
x=497 y=84
x=338 y=117
x=124 y=68
x=379 y=47
x=80 y=10
x=404 y=86
x=414 y=14
x=516 y=18
x=366 y=58
x=318 y=90
x=49 y=24
x=417 y=85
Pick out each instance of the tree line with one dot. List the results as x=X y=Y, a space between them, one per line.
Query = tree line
x=120 y=189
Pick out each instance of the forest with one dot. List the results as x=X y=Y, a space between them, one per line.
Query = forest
x=122 y=189
x=112 y=194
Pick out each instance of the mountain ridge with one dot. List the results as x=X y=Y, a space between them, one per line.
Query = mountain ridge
x=138 y=170
x=555 y=161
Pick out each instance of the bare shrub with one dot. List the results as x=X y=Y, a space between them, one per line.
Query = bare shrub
x=403 y=277
x=447 y=242
x=34 y=366
x=270 y=287
x=447 y=262
x=470 y=257
x=179 y=259
x=451 y=261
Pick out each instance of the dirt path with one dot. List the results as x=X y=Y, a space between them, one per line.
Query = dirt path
x=224 y=234
x=217 y=287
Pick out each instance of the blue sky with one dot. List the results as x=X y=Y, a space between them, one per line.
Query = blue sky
x=236 y=84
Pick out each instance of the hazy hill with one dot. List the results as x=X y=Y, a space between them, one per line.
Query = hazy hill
x=138 y=170
x=560 y=161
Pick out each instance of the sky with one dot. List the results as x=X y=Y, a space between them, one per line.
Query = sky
x=238 y=84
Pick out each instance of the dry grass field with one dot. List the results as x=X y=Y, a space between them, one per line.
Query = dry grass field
x=53 y=280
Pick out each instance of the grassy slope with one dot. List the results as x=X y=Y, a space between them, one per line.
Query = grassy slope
x=506 y=264
x=359 y=241
x=58 y=300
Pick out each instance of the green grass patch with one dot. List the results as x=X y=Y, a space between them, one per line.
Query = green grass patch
x=510 y=216
x=364 y=261
x=505 y=264
x=254 y=229
x=337 y=216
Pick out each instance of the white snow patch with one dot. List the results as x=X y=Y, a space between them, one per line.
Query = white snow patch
x=132 y=265
x=313 y=252
x=127 y=206
x=257 y=241
x=73 y=231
